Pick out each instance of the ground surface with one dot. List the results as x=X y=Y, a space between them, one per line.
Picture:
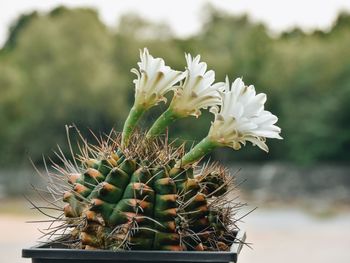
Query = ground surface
x=278 y=235
x=291 y=236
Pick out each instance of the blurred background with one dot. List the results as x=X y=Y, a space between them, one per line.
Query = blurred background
x=65 y=62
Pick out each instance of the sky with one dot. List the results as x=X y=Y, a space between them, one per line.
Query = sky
x=184 y=16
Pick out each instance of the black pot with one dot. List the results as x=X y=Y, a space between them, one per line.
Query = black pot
x=53 y=253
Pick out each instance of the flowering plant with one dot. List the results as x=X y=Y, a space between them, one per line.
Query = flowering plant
x=136 y=192
x=239 y=112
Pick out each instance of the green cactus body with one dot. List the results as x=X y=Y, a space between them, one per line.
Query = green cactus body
x=131 y=202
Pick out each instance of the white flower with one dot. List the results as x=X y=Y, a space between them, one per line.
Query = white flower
x=242 y=118
x=154 y=79
x=197 y=91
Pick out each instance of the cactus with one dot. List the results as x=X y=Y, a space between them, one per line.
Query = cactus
x=139 y=191
x=137 y=198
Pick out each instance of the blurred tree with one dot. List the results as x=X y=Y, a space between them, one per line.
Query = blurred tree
x=66 y=66
x=65 y=59
x=17 y=27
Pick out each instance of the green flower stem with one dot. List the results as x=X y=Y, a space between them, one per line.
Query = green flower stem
x=204 y=147
x=134 y=115
x=162 y=122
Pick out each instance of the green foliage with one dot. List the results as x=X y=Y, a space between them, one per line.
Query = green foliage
x=60 y=71
x=22 y=22
x=66 y=67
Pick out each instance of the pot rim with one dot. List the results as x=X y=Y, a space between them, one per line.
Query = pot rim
x=46 y=252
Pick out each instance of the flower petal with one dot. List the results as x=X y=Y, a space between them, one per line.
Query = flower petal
x=242 y=117
x=198 y=91
x=154 y=79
